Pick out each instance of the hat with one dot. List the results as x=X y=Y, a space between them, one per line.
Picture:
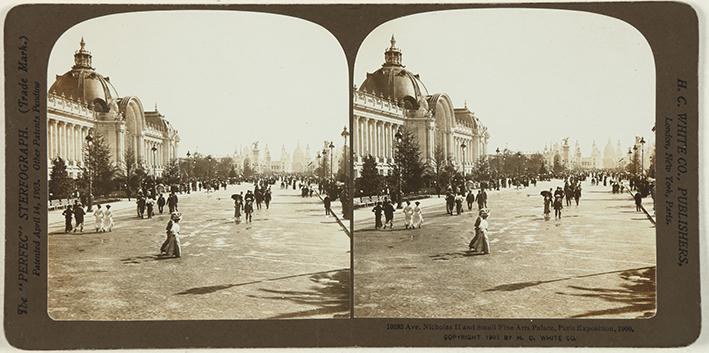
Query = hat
x=484 y=211
x=176 y=216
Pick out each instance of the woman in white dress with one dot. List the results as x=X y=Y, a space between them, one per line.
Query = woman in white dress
x=98 y=219
x=108 y=218
x=173 y=247
x=480 y=243
x=417 y=216
x=408 y=215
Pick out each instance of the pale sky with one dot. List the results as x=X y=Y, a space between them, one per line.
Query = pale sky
x=531 y=76
x=222 y=78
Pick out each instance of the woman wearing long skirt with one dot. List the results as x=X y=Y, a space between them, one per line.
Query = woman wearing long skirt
x=248 y=210
x=417 y=220
x=108 y=218
x=237 y=210
x=98 y=219
x=480 y=243
x=408 y=215
x=173 y=248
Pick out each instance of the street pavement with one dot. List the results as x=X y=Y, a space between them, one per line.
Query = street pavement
x=291 y=262
x=598 y=261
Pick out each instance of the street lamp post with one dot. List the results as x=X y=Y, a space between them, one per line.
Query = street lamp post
x=497 y=174
x=332 y=146
x=463 y=146
x=398 y=137
x=209 y=168
x=630 y=157
x=635 y=160
x=319 y=162
x=187 y=172
x=154 y=149
x=642 y=156
x=155 y=175
x=89 y=169
x=345 y=164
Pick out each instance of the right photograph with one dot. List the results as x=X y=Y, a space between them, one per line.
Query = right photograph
x=504 y=167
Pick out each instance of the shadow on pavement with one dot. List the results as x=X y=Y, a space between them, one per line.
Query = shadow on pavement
x=215 y=288
x=521 y=285
x=382 y=230
x=454 y=255
x=637 y=294
x=143 y=259
x=330 y=293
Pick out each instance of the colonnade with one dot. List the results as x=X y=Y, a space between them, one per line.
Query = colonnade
x=66 y=140
x=474 y=149
x=374 y=137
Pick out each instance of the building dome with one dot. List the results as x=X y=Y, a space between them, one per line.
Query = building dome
x=395 y=82
x=85 y=84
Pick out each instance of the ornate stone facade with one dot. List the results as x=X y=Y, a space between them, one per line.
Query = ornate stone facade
x=83 y=102
x=393 y=97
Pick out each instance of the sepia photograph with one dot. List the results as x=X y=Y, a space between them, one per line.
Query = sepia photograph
x=504 y=167
x=197 y=169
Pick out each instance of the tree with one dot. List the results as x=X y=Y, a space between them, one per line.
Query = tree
x=171 y=173
x=323 y=169
x=535 y=163
x=223 y=167
x=436 y=166
x=128 y=173
x=370 y=182
x=248 y=171
x=59 y=181
x=483 y=169
x=450 y=175
x=408 y=161
x=343 y=166
x=557 y=168
x=98 y=167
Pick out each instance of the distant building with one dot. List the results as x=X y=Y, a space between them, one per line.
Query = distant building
x=575 y=160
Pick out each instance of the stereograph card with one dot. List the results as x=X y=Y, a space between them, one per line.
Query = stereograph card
x=339 y=175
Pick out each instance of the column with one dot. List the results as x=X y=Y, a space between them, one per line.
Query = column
x=355 y=135
x=50 y=139
x=70 y=143
x=468 y=159
x=380 y=140
x=65 y=143
x=392 y=142
x=62 y=138
x=375 y=138
x=387 y=135
x=456 y=149
x=363 y=137
x=82 y=140
x=372 y=138
x=368 y=127
x=77 y=144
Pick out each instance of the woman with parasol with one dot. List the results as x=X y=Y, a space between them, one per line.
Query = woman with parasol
x=548 y=197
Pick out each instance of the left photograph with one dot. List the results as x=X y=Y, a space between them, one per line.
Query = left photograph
x=197 y=165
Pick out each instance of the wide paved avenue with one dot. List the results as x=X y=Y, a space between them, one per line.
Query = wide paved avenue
x=291 y=262
x=598 y=261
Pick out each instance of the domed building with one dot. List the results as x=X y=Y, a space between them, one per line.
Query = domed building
x=83 y=102
x=393 y=97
